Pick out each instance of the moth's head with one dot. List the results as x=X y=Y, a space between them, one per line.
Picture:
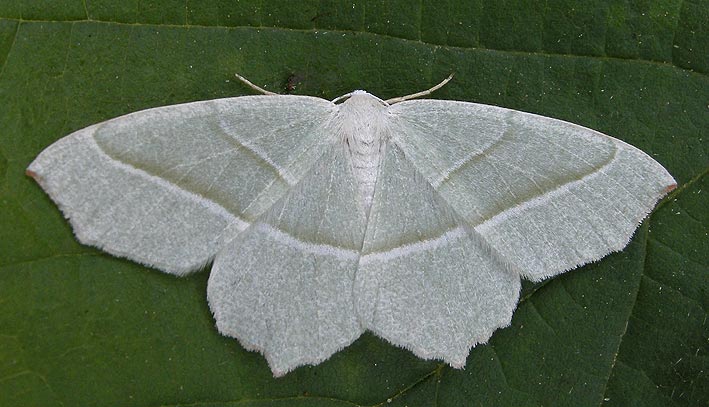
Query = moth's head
x=360 y=99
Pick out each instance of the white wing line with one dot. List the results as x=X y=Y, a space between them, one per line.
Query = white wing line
x=544 y=198
x=443 y=177
x=201 y=200
x=289 y=178
x=412 y=248
x=313 y=248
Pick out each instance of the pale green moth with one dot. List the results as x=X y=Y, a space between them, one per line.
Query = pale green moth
x=413 y=219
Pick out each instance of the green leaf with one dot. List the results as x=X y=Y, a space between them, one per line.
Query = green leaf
x=79 y=327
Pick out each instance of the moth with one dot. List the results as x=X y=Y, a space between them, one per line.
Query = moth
x=414 y=219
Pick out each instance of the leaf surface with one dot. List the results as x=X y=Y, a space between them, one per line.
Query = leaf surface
x=79 y=327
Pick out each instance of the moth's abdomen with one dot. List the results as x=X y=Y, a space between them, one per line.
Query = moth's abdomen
x=363 y=123
x=366 y=156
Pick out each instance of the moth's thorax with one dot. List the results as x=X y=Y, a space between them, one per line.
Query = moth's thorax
x=364 y=125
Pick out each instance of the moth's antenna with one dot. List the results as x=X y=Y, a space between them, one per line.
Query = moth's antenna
x=254 y=87
x=422 y=93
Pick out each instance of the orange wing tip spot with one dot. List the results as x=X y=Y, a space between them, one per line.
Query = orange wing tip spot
x=32 y=174
x=669 y=189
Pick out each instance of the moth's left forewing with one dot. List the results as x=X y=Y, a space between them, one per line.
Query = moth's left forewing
x=547 y=195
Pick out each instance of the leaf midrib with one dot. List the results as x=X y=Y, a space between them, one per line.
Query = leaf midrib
x=379 y=35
